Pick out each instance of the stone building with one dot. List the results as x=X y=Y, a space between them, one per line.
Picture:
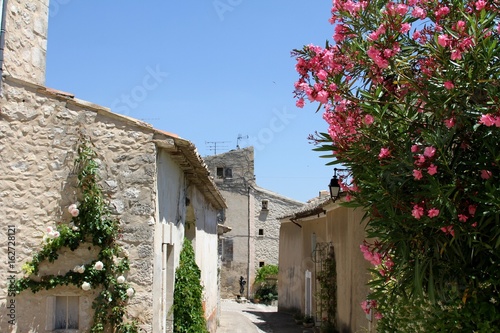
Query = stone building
x=308 y=236
x=156 y=183
x=252 y=214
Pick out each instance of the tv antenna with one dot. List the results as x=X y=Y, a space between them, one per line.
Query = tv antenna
x=213 y=145
x=240 y=137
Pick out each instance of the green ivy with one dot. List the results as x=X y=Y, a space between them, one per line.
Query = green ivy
x=91 y=223
x=327 y=279
x=188 y=309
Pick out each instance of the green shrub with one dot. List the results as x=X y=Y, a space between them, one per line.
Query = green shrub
x=266 y=271
x=187 y=307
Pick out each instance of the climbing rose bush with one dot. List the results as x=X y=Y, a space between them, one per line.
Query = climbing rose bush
x=410 y=92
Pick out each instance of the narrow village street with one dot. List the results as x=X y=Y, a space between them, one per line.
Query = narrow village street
x=256 y=318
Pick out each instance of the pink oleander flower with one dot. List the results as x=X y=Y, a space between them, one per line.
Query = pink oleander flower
x=486 y=174
x=443 y=11
x=376 y=259
x=460 y=27
x=300 y=103
x=414 y=148
x=420 y=159
x=384 y=153
x=472 y=210
x=98 y=266
x=456 y=55
x=419 y=13
x=432 y=169
x=462 y=217
x=366 y=306
x=433 y=212
x=429 y=151
x=448 y=230
x=378 y=315
x=368 y=119
x=443 y=40
x=449 y=85
x=480 y=4
x=450 y=123
x=405 y=27
x=487 y=120
x=322 y=96
x=322 y=75
x=417 y=174
x=417 y=212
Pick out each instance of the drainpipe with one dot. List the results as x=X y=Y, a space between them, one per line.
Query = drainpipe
x=249 y=241
x=3 y=6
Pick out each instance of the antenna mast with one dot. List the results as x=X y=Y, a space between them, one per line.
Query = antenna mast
x=240 y=137
x=213 y=145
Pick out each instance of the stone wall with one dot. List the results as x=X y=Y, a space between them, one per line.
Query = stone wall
x=243 y=249
x=26 y=39
x=267 y=245
x=39 y=131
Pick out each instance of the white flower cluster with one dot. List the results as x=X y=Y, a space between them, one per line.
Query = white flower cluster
x=52 y=233
x=79 y=269
x=73 y=210
x=98 y=266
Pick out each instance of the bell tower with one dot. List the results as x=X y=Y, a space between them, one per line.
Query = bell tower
x=23 y=41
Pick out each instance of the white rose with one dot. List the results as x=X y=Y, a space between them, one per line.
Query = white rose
x=81 y=269
x=71 y=208
x=130 y=292
x=98 y=266
x=86 y=286
x=49 y=230
x=76 y=269
x=120 y=279
x=75 y=212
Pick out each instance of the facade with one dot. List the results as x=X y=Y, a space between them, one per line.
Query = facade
x=252 y=214
x=156 y=183
x=307 y=237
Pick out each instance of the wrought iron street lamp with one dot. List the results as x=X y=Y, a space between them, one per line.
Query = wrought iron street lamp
x=334 y=185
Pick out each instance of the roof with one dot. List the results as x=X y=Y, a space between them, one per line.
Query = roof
x=277 y=195
x=182 y=151
x=313 y=207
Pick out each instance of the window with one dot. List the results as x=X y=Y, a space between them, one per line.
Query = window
x=261 y=263
x=223 y=173
x=261 y=232
x=265 y=204
x=220 y=173
x=63 y=312
x=221 y=216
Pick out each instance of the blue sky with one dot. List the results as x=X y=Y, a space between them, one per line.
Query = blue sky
x=209 y=71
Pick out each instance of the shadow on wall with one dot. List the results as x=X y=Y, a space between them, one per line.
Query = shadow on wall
x=344 y=328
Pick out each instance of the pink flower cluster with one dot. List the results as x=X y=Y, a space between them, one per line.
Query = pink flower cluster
x=373 y=254
x=424 y=161
x=371 y=305
x=490 y=120
x=418 y=211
